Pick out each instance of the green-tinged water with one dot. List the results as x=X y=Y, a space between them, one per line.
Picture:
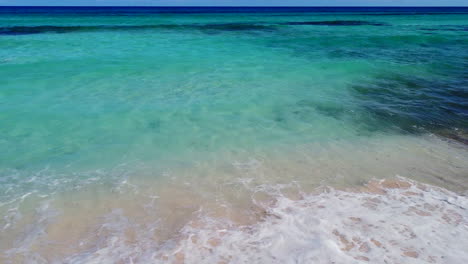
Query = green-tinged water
x=145 y=87
x=91 y=97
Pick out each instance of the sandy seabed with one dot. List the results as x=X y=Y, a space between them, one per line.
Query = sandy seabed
x=398 y=200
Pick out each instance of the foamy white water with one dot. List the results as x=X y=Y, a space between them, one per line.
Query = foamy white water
x=392 y=221
x=312 y=204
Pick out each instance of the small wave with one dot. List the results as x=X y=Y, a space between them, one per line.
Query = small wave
x=385 y=221
x=390 y=221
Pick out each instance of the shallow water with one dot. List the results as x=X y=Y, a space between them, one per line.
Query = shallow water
x=120 y=129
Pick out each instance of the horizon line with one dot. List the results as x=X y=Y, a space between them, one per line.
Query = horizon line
x=294 y=6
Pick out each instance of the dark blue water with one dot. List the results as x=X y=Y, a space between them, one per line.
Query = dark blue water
x=195 y=10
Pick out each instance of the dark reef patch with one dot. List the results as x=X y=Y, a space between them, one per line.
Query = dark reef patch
x=209 y=27
x=234 y=27
x=336 y=23
x=27 y=30
x=456 y=28
x=413 y=104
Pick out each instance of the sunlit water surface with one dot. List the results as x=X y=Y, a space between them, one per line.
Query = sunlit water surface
x=135 y=136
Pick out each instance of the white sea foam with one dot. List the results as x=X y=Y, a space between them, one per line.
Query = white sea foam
x=395 y=221
x=257 y=208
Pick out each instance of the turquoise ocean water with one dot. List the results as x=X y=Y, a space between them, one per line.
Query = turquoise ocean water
x=95 y=96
